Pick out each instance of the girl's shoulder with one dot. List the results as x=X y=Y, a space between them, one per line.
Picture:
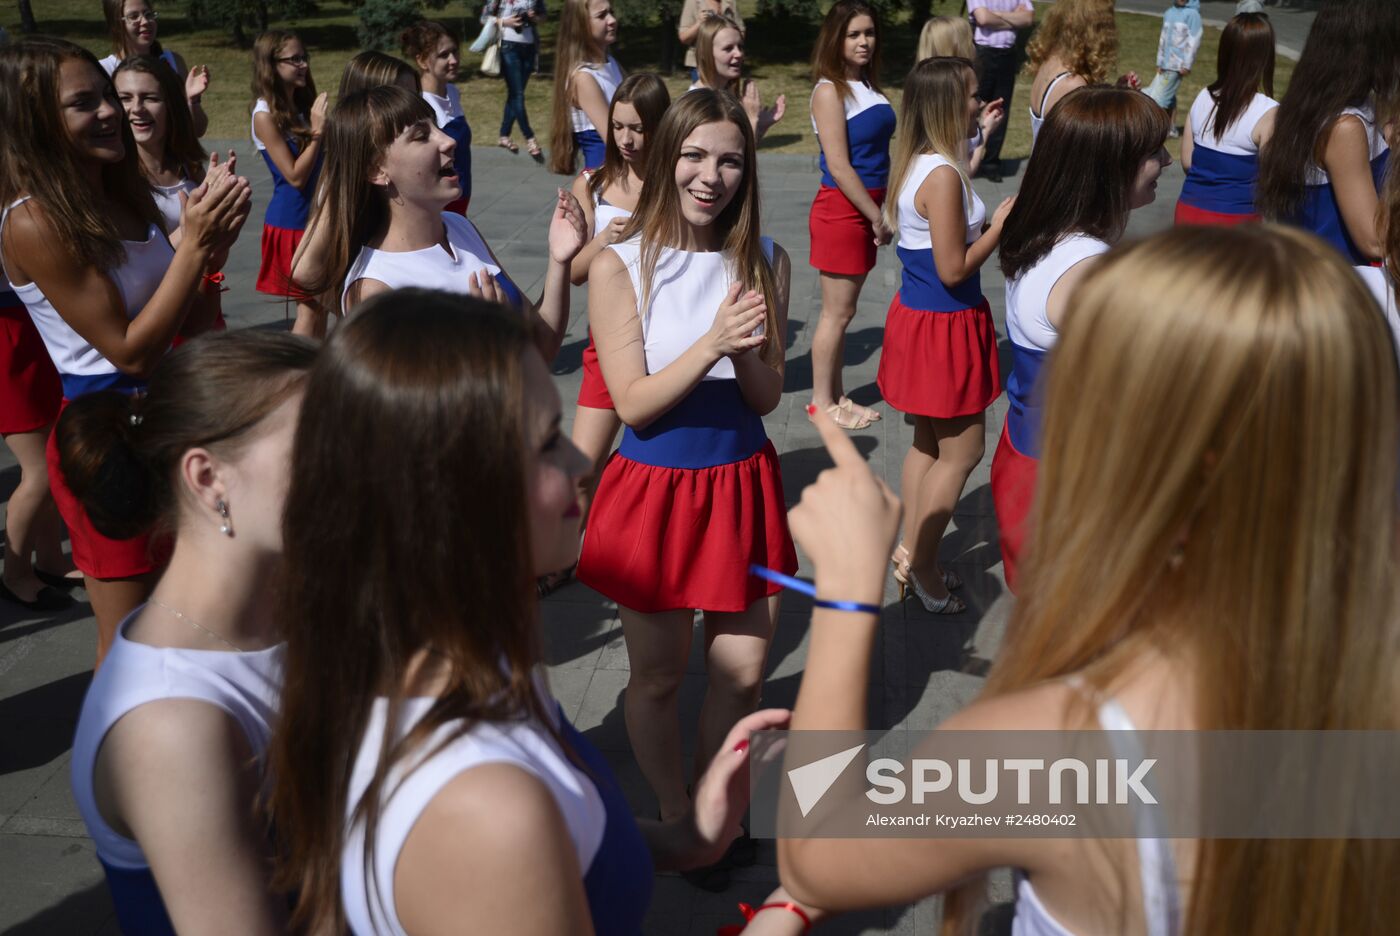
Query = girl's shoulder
x=260 y=106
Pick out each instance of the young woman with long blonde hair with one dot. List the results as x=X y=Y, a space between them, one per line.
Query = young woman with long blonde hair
x=952 y=36
x=689 y=311
x=288 y=117
x=938 y=362
x=382 y=221
x=719 y=46
x=131 y=26
x=1076 y=45
x=1167 y=589
x=585 y=78
x=1064 y=218
x=83 y=248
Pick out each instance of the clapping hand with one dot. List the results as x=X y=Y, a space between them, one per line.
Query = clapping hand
x=568 y=229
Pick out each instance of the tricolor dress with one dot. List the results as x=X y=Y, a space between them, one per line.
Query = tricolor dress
x=82 y=369
x=1320 y=212
x=1032 y=336
x=843 y=239
x=939 y=355
x=1219 y=186
x=593 y=392
x=688 y=502
x=586 y=136
x=285 y=220
x=452 y=120
x=244 y=686
x=433 y=267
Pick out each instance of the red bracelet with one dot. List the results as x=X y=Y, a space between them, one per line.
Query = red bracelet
x=749 y=913
x=217 y=279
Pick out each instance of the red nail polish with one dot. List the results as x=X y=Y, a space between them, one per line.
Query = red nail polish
x=811 y=409
x=742 y=746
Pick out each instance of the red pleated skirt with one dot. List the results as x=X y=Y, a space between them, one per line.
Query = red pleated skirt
x=94 y=554
x=664 y=539
x=939 y=364
x=1013 y=489
x=274 y=273
x=1190 y=214
x=843 y=239
x=593 y=392
x=30 y=392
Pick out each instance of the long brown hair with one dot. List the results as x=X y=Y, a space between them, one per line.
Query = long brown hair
x=433 y=385
x=658 y=218
x=289 y=106
x=120 y=451
x=422 y=38
x=710 y=28
x=1348 y=61
x=352 y=210
x=932 y=119
x=573 y=47
x=828 y=55
x=373 y=69
x=1244 y=67
x=38 y=158
x=1083 y=33
x=1274 y=580
x=1111 y=129
x=182 y=146
x=112 y=13
x=648 y=95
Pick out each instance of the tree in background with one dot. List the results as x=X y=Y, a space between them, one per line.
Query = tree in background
x=26 y=17
x=240 y=16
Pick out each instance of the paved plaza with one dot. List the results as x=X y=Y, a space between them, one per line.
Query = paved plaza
x=926 y=667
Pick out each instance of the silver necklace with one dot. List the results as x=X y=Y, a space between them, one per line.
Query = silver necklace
x=193 y=623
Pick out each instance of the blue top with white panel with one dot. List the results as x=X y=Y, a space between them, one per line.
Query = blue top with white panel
x=1224 y=167
x=1320 y=212
x=869 y=125
x=919 y=287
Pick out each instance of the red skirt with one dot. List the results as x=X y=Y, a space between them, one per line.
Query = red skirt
x=843 y=239
x=1190 y=214
x=30 y=392
x=274 y=273
x=459 y=206
x=665 y=539
x=94 y=554
x=1013 y=489
x=939 y=364
x=593 y=392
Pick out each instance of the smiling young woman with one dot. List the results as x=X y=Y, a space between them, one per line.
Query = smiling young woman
x=131 y=26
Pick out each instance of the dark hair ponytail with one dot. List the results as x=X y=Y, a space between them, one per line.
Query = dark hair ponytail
x=119 y=451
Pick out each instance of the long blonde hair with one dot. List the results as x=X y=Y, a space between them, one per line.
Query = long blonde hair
x=574 y=47
x=705 y=49
x=946 y=35
x=1083 y=33
x=1222 y=410
x=658 y=216
x=932 y=119
x=289 y=106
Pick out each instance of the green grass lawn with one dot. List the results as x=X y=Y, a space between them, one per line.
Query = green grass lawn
x=778 y=53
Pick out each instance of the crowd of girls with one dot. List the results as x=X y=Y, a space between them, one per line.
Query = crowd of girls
x=131 y=26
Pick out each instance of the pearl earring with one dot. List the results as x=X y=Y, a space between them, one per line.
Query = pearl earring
x=225 y=528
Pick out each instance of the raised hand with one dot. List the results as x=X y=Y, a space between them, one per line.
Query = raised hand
x=738 y=322
x=568 y=229
x=213 y=214
x=318 y=113
x=993 y=113
x=196 y=82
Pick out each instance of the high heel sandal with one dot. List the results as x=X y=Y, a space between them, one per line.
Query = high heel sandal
x=900 y=560
x=948 y=604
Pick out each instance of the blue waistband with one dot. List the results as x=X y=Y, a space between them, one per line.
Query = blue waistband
x=590 y=144
x=711 y=426
x=137 y=900
x=920 y=288
x=1220 y=182
x=76 y=385
x=1023 y=395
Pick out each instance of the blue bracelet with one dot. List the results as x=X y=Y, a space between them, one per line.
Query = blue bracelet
x=807 y=588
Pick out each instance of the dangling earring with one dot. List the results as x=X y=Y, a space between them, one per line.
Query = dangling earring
x=225 y=528
x=1176 y=560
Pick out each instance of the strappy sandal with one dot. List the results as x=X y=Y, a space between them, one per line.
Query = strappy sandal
x=846 y=417
x=899 y=559
x=506 y=143
x=870 y=413
x=532 y=147
x=948 y=604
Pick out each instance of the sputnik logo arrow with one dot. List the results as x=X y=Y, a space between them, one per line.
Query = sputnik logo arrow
x=811 y=781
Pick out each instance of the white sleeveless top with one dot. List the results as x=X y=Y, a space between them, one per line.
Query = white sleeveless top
x=261 y=108
x=446 y=107
x=1038 y=122
x=1028 y=294
x=430 y=268
x=608 y=76
x=1375 y=139
x=1156 y=865
x=604 y=213
x=861 y=99
x=370 y=907
x=913 y=227
x=246 y=686
x=1237 y=140
x=687 y=289
x=136 y=279
x=168 y=201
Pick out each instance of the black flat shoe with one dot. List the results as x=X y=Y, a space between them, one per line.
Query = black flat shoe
x=60 y=582
x=48 y=599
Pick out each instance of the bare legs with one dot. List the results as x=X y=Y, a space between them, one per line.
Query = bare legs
x=935 y=471
x=595 y=431
x=658 y=646
x=839 y=296
x=32 y=525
